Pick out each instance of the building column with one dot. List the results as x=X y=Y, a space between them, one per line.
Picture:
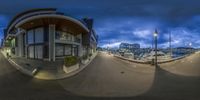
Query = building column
x=20 y=47
x=25 y=41
x=52 y=42
x=80 y=48
x=80 y=51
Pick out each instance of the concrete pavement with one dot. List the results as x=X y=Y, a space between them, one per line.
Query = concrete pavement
x=189 y=66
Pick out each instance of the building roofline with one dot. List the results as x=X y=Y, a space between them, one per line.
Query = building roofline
x=29 y=11
x=33 y=12
x=53 y=16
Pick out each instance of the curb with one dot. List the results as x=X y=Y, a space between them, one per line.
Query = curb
x=18 y=67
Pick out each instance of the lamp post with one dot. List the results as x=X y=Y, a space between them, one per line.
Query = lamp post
x=155 y=34
x=190 y=46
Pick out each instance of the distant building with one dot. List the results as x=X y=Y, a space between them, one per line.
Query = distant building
x=49 y=34
x=1 y=43
x=183 y=50
x=129 y=47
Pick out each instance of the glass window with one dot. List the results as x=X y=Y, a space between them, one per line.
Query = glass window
x=72 y=38
x=59 y=50
x=68 y=50
x=39 y=35
x=61 y=35
x=39 y=51
x=64 y=36
x=30 y=37
x=31 y=52
x=74 y=50
x=13 y=42
x=58 y=35
x=68 y=36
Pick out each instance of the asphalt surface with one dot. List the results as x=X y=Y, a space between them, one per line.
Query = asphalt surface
x=108 y=78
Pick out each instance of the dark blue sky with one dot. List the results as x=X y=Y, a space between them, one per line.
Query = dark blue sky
x=119 y=21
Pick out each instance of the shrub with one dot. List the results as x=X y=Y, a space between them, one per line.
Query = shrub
x=70 y=61
x=84 y=57
x=90 y=54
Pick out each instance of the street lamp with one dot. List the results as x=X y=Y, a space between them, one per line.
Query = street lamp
x=155 y=34
x=190 y=46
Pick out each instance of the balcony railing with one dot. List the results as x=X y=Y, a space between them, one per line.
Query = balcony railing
x=75 y=40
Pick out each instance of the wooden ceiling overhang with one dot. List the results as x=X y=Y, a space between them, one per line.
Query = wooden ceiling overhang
x=62 y=23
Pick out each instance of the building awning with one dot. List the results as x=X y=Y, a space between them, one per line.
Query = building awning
x=62 y=23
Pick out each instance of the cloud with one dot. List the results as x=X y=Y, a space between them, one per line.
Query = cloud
x=111 y=45
x=3 y=23
x=182 y=36
x=142 y=33
x=124 y=21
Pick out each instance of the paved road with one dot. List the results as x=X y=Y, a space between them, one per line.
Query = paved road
x=105 y=78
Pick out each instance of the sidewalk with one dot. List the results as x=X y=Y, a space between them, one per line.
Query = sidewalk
x=44 y=69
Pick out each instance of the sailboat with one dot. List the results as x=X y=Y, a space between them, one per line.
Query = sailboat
x=161 y=56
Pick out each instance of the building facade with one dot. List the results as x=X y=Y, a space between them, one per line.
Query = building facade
x=183 y=50
x=49 y=34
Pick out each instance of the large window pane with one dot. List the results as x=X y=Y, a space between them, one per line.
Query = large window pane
x=68 y=50
x=30 y=37
x=75 y=50
x=31 y=52
x=39 y=35
x=59 y=50
x=39 y=51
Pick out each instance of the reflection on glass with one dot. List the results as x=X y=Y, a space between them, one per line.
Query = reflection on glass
x=66 y=36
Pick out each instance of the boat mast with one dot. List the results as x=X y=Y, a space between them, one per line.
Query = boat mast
x=170 y=45
x=152 y=48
